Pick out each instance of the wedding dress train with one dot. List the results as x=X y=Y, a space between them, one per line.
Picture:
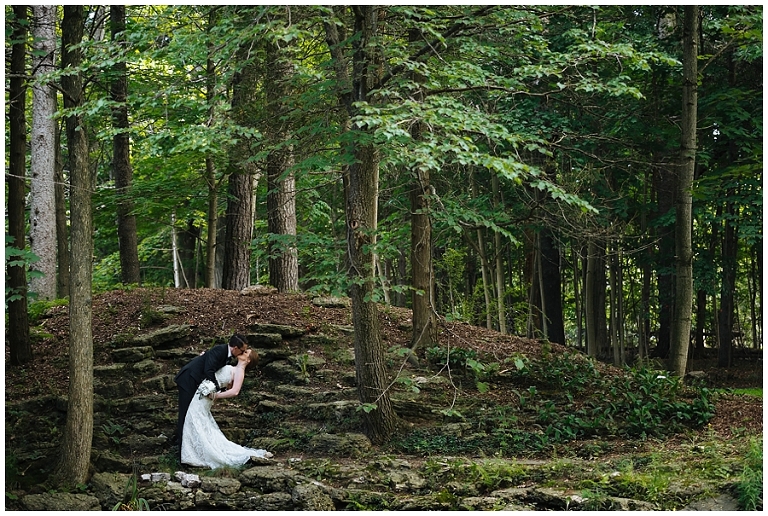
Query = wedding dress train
x=203 y=443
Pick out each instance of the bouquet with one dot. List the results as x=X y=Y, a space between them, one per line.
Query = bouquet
x=206 y=388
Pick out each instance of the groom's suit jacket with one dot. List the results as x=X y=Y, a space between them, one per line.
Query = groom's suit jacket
x=203 y=367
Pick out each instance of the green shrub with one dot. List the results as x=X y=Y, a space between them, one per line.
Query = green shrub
x=749 y=488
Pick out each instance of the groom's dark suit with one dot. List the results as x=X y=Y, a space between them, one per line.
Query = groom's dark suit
x=190 y=376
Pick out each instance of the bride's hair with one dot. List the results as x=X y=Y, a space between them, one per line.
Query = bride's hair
x=253 y=359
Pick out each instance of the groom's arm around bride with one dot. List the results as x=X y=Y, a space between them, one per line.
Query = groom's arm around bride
x=201 y=368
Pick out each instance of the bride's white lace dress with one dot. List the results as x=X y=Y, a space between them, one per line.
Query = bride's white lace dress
x=203 y=443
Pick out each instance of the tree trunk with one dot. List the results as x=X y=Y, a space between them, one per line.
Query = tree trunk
x=500 y=283
x=18 y=319
x=121 y=159
x=577 y=298
x=665 y=188
x=590 y=298
x=210 y=167
x=681 y=325
x=281 y=183
x=422 y=270
x=551 y=284
x=62 y=227
x=361 y=208
x=727 y=287
x=243 y=176
x=42 y=212
x=73 y=466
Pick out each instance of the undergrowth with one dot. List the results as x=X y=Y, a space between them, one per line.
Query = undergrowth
x=567 y=399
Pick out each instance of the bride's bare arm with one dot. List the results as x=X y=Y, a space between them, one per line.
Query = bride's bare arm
x=237 y=382
x=238 y=375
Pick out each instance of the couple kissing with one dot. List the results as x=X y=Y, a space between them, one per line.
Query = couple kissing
x=201 y=381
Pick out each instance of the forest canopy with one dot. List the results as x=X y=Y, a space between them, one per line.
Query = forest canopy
x=515 y=167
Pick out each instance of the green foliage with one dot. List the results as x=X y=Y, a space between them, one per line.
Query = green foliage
x=131 y=500
x=113 y=431
x=15 y=257
x=749 y=487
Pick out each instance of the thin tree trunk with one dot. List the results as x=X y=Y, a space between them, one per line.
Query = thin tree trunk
x=62 y=229
x=754 y=285
x=590 y=300
x=577 y=299
x=175 y=252
x=486 y=273
x=74 y=462
x=681 y=326
x=613 y=324
x=727 y=287
x=42 y=210
x=121 y=159
x=18 y=319
x=500 y=284
x=210 y=167
x=665 y=182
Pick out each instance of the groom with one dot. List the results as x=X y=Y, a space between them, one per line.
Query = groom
x=201 y=368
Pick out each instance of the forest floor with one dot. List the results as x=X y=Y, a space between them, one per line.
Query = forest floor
x=213 y=313
x=218 y=314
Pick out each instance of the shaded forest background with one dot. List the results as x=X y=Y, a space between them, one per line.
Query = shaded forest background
x=520 y=168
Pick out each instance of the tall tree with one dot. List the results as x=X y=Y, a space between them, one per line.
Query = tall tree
x=281 y=182
x=422 y=270
x=73 y=465
x=243 y=174
x=210 y=165
x=18 y=320
x=681 y=324
x=42 y=213
x=361 y=211
x=121 y=157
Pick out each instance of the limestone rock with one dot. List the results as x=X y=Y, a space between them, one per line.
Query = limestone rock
x=332 y=302
x=61 y=502
x=258 y=290
x=109 y=488
x=288 y=332
x=311 y=497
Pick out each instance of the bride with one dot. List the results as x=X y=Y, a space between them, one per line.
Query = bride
x=203 y=443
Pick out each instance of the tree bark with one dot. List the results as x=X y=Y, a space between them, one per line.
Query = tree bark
x=74 y=462
x=422 y=268
x=665 y=188
x=681 y=325
x=590 y=297
x=210 y=167
x=42 y=212
x=499 y=259
x=243 y=176
x=62 y=226
x=727 y=287
x=361 y=214
x=18 y=319
x=551 y=284
x=281 y=183
x=121 y=159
